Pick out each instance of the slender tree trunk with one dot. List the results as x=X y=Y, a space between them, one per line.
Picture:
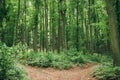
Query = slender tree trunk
x=59 y=27
x=1 y=2
x=77 y=29
x=43 y=32
x=87 y=32
x=2 y=34
x=53 y=35
x=118 y=15
x=90 y=26
x=25 y=26
x=17 y=24
x=35 y=37
x=63 y=16
x=93 y=18
x=46 y=25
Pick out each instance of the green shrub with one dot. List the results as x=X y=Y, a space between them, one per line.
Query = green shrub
x=8 y=68
x=107 y=72
x=48 y=60
x=61 y=65
x=61 y=62
x=93 y=57
x=37 y=59
x=77 y=59
x=64 y=60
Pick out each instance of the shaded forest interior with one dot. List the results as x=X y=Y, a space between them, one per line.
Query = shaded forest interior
x=51 y=25
x=60 y=26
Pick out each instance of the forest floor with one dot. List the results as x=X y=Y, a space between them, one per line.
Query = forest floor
x=75 y=73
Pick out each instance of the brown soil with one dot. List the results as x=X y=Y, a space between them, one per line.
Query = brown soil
x=76 y=73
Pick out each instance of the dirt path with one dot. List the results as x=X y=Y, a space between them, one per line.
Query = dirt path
x=77 y=73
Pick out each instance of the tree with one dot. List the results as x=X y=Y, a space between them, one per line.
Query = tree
x=56 y=24
x=35 y=37
x=17 y=37
x=118 y=15
x=46 y=24
x=25 y=37
x=113 y=25
x=1 y=2
x=59 y=27
x=77 y=28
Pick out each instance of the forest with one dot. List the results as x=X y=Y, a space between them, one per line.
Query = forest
x=59 y=40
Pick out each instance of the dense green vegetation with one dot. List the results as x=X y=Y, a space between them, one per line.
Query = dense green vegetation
x=9 y=68
x=107 y=72
x=59 y=34
x=61 y=61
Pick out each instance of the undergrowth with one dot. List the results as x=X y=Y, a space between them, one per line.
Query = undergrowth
x=9 y=69
x=64 y=60
x=106 y=72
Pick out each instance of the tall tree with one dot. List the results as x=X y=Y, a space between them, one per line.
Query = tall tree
x=35 y=37
x=46 y=25
x=77 y=22
x=17 y=37
x=25 y=37
x=2 y=16
x=118 y=15
x=63 y=22
x=53 y=25
x=113 y=25
x=59 y=27
x=1 y=2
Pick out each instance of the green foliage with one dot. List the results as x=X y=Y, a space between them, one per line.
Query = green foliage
x=41 y=60
x=46 y=60
x=9 y=70
x=107 y=72
x=76 y=57
x=63 y=60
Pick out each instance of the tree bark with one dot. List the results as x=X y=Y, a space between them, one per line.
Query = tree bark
x=35 y=37
x=59 y=29
x=17 y=24
x=113 y=25
x=77 y=28
x=46 y=25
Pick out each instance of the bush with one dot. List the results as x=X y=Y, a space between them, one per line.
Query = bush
x=61 y=62
x=37 y=59
x=107 y=72
x=64 y=60
x=8 y=68
x=48 y=60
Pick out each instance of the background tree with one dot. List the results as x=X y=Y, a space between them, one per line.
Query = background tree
x=56 y=25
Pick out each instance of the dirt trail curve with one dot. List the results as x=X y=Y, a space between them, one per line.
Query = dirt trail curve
x=77 y=73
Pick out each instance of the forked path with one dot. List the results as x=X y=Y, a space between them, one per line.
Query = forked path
x=77 y=73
